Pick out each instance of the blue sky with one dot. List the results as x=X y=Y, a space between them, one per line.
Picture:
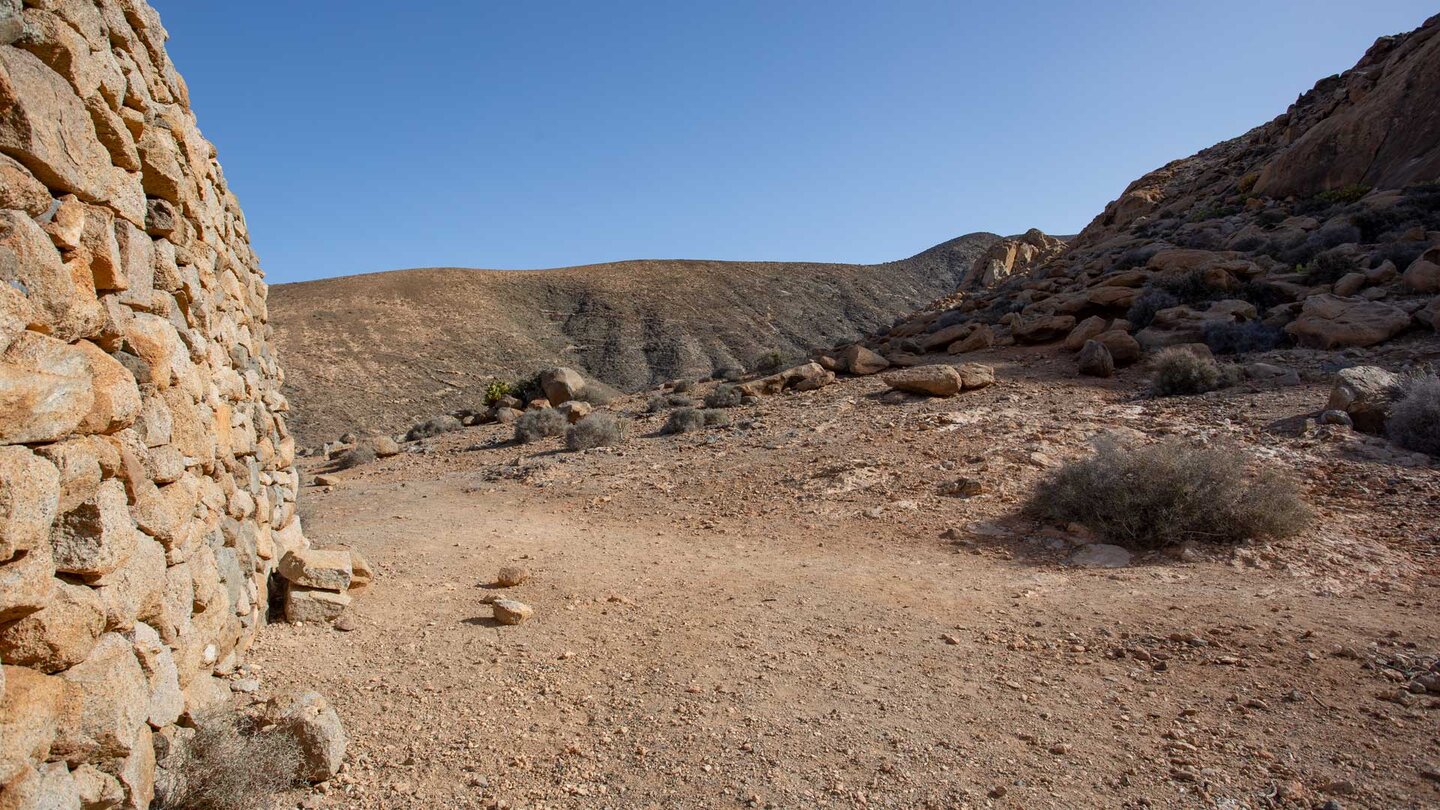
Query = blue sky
x=363 y=135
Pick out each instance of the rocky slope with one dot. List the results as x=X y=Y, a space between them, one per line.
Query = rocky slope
x=377 y=352
x=1320 y=228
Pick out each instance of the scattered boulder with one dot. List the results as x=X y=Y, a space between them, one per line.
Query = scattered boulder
x=1366 y=394
x=936 y=380
x=512 y=611
x=1331 y=322
x=861 y=361
x=1423 y=274
x=385 y=446
x=561 y=384
x=574 y=410
x=983 y=337
x=1042 y=329
x=312 y=721
x=974 y=376
x=1095 y=360
x=317 y=568
x=1084 y=331
x=512 y=575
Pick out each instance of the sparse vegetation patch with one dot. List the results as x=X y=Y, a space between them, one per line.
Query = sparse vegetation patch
x=1157 y=495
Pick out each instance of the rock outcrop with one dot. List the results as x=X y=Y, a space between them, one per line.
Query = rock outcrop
x=146 y=480
x=1320 y=228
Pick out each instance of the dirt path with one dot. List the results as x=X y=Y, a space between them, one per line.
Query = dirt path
x=702 y=641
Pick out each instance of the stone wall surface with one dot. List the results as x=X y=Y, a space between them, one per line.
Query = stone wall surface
x=146 y=481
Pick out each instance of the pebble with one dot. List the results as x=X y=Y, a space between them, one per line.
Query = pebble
x=511 y=575
x=511 y=611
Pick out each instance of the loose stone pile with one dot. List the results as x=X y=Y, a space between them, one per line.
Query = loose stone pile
x=146 y=482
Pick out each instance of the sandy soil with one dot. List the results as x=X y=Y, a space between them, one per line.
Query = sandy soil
x=786 y=613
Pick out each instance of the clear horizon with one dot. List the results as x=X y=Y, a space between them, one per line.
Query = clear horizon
x=363 y=137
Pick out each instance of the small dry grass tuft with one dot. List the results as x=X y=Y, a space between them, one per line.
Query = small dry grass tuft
x=725 y=395
x=598 y=393
x=1178 y=371
x=1415 y=418
x=228 y=765
x=599 y=429
x=541 y=423
x=684 y=420
x=1157 y=495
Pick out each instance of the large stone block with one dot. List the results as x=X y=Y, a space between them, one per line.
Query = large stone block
x=317 y=568
x=63 y=302
x=45 y=390
x=166 y=699
x=27 y=583
x=29 y=500
x=134 y=590
x=57 y=636
x=107 y=703
x=45 y=126
x=97 y=536
x=30 y=708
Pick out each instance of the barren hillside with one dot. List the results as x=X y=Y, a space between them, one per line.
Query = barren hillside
x=379 y=351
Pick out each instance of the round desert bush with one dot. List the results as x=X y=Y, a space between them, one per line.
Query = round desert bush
x=539 y=424
x=684 y=420
x=714 y=418
x=350 y=459
x=599 y=429
x=1149 y=302
x=769 y=361
x=598 y=393
x=725 y=395
x=682 y=386
x=1229 y=337
x=728 y=374
x=1415 y=418
x=1178 y=371
x=432 y=427
x=1151 y=496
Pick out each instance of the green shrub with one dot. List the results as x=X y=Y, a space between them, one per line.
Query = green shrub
x=1344 y=195
x=540 y=423
x=1179 y=372
x=684 y=420
x=1415 y=418
x=229 y=764
x=1152 y=496
x=496 y=391
x=725 y=395
x=599 y=429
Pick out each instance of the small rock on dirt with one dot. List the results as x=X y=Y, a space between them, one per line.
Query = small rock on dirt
x=512 y=611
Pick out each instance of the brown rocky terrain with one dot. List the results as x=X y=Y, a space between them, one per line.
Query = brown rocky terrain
x=829 y=588
x=799 y=610
x=382 y=351
x=1320 y=228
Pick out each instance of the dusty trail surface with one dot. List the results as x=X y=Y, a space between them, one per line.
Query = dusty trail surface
x=785 y=613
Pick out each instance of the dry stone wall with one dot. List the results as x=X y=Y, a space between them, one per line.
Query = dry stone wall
x=146 y=486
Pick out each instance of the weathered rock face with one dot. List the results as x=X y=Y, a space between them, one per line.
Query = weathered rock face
x=145 y=465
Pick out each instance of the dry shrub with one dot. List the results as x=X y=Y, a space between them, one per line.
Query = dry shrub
x=433 y=427
x=683 y=386
x=597 y=393
x=684 y=420
x=359 y=456
x=541 y=423
x=714 y=418
x=599 y=429
x=728 y=374
x=229 y=764
x=1415 y=418
x=725 y=395
x=1157 y=495
x=1178 y=371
